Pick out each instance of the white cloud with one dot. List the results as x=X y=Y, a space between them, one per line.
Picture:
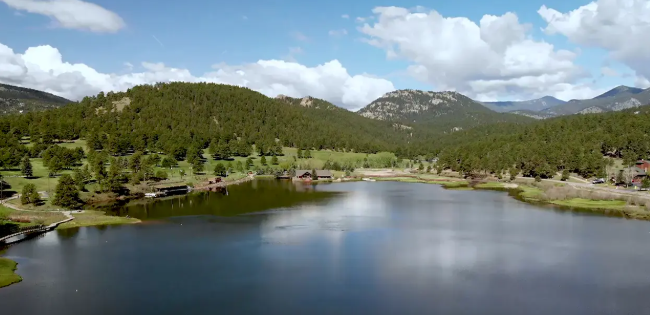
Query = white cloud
x=345 y=16
x=618 y=26
x=609 y=72
x=495 y=58
x=72 y=14
x=43 y=68
x=642 y=82
x=337 y=33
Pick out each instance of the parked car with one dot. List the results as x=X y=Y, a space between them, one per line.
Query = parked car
x=598 y=181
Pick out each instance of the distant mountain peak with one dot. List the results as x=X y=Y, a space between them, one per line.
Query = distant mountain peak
x=445 y=111
x=535 y=105
x=619 y=90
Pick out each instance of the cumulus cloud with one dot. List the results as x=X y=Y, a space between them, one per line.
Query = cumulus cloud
x=43 y=68
x=72 y=14
x=618 y=26
x=496 y=58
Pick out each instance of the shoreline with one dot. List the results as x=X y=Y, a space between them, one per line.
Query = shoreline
x=532 y=195
x=8 y=275
x=91 y=217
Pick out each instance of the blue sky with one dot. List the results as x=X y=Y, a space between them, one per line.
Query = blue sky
x=197 y=34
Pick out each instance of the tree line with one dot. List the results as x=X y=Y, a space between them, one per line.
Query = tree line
x=571 y=144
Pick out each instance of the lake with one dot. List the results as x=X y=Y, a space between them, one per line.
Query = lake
x=270 y=247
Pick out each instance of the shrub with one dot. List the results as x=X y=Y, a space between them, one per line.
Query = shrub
x=160 y=174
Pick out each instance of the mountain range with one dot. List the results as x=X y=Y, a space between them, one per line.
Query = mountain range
x=431 y=111
x=616 y=99
x=535 y=105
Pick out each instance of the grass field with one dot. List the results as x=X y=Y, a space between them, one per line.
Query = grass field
x=44 y=183
x=8 y=275
x=591 y=204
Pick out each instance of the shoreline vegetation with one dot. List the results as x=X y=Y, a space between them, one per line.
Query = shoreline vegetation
x=8 y=275
x=559 y=195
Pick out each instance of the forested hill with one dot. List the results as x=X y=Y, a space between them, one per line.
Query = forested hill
x=439 y=111
x=171 y=117
x=14 y=99
x=333 y=115
x=574 y=143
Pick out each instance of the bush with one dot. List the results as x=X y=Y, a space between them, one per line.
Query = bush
x=162 y=175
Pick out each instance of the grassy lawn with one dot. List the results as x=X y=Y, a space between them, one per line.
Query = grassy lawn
x=7 y=272
x=490 y=185
x=591 y=204
x=41 y=179
x=37 y=217
x=44 y=183
x=93 y=218
x=530 y=193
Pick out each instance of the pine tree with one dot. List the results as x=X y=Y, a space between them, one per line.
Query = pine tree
x=239 y=166
x=314 y=176
x=307 y=154
x=66 y=194
x=513 y=173
x=274 y=160
x=249 y=163
x=213 y=148
x=619 y=177
x=29 y=195
x=197 y=166
x=263 y=160
x=79 y=179
x=645 y=183
x=220 y=170
x=26 y=167
x=114 y=177
x=565 y=175
x=135 y=163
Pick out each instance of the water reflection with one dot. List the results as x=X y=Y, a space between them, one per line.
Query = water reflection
x=254 y=196
x=377 y=248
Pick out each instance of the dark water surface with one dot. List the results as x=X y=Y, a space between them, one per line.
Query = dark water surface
x=376 y=248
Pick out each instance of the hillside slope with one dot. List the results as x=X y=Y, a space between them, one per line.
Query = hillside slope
x=170 y=117
x=15 y=100
x=439 y=111
x=576 y=143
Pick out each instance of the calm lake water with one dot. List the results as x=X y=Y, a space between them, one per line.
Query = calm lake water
x=350 y=248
